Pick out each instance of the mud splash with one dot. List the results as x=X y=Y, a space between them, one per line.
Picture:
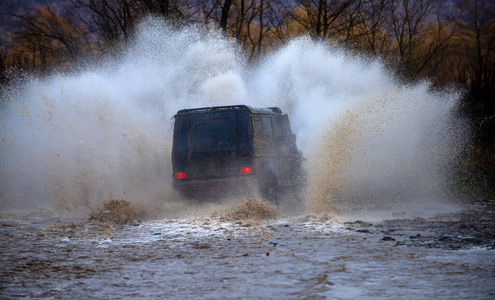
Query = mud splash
x=249 y=209
x=384 y=151
x=119 y=211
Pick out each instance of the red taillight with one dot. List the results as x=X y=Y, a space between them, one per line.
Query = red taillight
x=246 y=170
x=181 y=175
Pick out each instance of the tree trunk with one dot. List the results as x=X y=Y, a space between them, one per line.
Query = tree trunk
x=225 y=15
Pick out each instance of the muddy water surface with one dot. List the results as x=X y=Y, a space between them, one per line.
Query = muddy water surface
x=223 y=256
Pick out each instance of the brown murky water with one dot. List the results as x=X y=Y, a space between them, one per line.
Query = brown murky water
x=226 y=253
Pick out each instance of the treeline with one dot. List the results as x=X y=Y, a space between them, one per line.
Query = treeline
x=449 y=42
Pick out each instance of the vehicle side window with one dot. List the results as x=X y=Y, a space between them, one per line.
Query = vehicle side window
x=258 y=129
x=279 y=130
x=259 y=133
x=266 y=123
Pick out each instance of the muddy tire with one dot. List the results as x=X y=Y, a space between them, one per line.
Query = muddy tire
x=293 y=194
x=268 y=187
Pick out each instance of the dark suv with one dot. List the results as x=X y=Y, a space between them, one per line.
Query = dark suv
x=235 y=148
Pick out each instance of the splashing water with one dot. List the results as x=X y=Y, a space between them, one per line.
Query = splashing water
x=69 y=142
x=393 y=147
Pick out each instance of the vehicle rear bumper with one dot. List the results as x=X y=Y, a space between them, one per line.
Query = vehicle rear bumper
x=217 y=186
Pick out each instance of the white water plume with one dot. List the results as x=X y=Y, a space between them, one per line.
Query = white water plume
x=68 y=142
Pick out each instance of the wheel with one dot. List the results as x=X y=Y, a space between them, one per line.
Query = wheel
x=268 y=187
x=294 y=193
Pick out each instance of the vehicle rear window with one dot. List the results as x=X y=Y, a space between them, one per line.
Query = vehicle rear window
x=213 y=131
x=218 y=133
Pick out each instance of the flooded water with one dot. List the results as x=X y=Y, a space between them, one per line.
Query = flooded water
x=221 y=256
x=87 y=209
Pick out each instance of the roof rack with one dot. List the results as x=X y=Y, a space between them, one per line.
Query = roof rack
x=204 y=109
x=230 y=107
x=275 y=109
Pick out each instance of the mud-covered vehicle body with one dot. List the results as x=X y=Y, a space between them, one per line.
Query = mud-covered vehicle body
x=233 y=149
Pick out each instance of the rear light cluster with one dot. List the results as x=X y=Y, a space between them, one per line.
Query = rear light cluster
x=181 y=175
x=246 y=170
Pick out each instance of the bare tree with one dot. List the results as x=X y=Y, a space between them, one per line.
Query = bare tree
x=265 y=26
x=251 y=27
x=277 y=16
x=477 y=52
x=373 y=36
x=42 y=34
x=249 y=21
x=225 y=14
x=158 y=7
x=322 y=18
x=210 y=12
x=111 y=20
x=419 y=33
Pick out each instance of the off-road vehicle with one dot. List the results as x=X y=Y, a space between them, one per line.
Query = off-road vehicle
x=233 y=149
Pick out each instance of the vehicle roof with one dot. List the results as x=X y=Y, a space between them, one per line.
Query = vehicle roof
x=268 y=110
